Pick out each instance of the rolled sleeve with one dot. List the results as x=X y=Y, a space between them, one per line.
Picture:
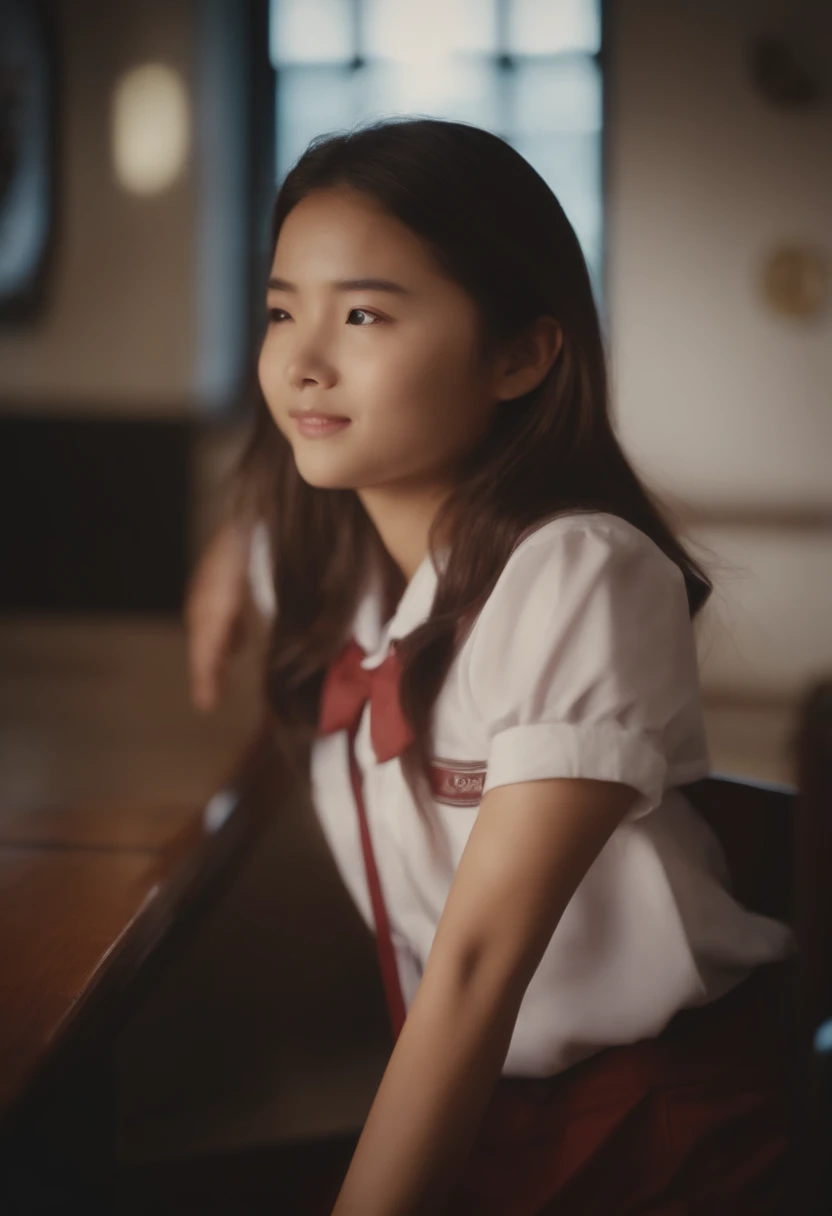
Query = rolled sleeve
x=604 y=752
x=583 y=662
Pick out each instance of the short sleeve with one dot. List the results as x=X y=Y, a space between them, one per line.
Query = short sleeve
x=582 y=663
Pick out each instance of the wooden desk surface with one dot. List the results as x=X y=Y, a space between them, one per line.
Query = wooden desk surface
x=105 y=776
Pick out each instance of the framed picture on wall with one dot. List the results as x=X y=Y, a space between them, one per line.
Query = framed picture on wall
x=27 y=156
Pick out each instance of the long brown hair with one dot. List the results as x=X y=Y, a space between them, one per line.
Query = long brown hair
x=495 y=226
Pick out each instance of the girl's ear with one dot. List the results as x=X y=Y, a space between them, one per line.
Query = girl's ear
x=529 y=359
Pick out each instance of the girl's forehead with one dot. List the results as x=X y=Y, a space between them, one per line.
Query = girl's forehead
x=343 y=227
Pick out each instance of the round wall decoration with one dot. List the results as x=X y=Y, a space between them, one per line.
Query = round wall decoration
x=795 y=281
x=26 y=156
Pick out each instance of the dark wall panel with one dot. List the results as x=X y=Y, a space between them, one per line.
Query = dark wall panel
x=94 y=515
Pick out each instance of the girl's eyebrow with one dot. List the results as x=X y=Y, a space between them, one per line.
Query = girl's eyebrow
x=347 y=285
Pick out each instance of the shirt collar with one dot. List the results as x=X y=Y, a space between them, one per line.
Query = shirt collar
x=372 y=634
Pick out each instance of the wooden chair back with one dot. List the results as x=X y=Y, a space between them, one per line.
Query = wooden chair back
x=778 y=845
x=755 y=823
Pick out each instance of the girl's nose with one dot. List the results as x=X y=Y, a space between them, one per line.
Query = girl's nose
x=308 y=365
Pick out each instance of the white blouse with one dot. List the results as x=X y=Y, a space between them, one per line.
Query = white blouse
x=581 y=663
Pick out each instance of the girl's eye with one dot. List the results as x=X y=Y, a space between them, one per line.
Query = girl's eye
x=363 y=313
x=278 y=314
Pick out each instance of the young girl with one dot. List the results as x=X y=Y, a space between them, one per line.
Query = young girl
x=483 y=655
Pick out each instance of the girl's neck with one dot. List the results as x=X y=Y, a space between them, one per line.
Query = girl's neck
x=403 y=520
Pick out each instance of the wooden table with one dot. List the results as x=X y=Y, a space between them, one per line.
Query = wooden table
x=117 y=806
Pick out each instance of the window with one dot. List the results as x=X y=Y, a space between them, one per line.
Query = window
x=525 y=69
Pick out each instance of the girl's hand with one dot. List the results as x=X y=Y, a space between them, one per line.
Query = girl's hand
x=216 y=608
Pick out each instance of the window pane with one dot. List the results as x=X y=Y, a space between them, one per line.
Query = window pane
x=452 y=88
x=311 y=101
x=542 y=27
x=311 y=31
x=556 y=95
x=429 y=29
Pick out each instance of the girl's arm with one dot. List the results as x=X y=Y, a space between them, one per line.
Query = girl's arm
x=233 y=576
x=214 y=611
x=531 y=844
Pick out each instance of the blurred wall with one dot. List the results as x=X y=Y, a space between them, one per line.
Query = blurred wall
x=145 y=326
x=146 y=311
x=724 y=403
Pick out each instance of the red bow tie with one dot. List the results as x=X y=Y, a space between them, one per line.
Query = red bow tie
x=347 y=688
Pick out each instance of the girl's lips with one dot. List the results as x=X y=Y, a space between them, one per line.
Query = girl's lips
x=316 y=426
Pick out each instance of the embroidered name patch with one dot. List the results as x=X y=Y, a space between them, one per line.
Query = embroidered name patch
x=457 y=783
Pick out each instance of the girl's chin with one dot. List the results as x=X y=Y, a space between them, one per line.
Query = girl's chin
x=326 y=479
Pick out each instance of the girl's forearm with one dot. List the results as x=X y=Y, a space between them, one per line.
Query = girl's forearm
x=432 y=1097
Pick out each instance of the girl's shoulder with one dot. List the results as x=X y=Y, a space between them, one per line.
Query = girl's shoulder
x=588 y=617
x=580 y=566
x=598 y=531
x=588 y=534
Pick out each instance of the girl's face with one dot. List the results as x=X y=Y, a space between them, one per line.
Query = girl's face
x=398 y=354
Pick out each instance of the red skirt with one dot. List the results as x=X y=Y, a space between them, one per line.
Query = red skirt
x=694 y=1120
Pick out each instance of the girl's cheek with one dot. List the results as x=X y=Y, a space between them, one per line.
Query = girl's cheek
x=266 y=368
x=265 y=374
x=261 y=364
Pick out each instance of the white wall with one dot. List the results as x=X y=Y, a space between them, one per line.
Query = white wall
x=721 y=402
x=146 y=302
